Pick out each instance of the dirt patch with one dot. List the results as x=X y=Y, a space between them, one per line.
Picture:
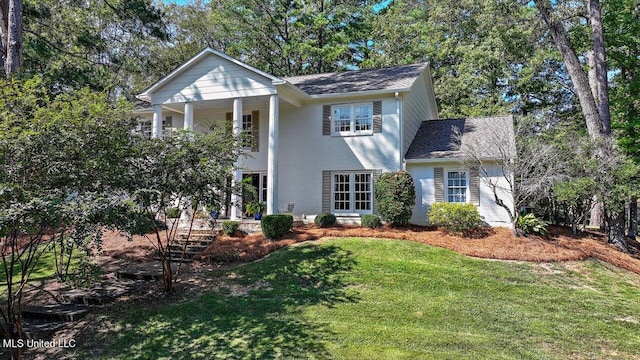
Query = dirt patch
x=499 y=243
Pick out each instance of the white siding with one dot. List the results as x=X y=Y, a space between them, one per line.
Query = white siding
x=304 y=153
x=419 y=105
x=212 y=78
x=423 y=176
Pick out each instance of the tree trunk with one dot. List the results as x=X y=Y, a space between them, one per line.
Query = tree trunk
x=591 y=74
x=167 y=273
x=633 y=217
x=596 y=217
x=576 y=72
x=4 y=13
x=616 y=231
x=13 y=58
x=600 y=56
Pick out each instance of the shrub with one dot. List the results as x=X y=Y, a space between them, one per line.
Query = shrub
x=230 y=227
x=274 y=227
x=395 y=197
x=455 y=217
x=370 y=221
x=530 y=224
x=325 y=220
x=173 y=212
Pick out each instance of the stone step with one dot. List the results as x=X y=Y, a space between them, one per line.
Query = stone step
x=189 y=249
x=100 y=293
x=193 y=242
x=55 y=312
x=199 y=233
x=146 y=272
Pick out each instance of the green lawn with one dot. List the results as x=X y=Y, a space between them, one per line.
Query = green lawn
x=380 y=299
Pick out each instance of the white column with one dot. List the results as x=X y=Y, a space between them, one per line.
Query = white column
x=156 y=126
x=272 y=156
x=188 y=116
x=236 y=199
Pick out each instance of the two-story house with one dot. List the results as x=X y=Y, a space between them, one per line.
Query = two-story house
x=317 y=143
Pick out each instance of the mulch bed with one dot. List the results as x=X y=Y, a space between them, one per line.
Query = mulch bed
x=497 y=243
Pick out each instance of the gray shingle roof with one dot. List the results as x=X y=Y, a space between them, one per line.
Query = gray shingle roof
x=392 y=78
x=488 y=136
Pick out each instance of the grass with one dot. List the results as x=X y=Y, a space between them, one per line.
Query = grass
x=44 y=269
x=354 y=298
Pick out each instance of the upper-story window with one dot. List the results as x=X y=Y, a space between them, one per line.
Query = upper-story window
x=352 y=119
x=248 y=136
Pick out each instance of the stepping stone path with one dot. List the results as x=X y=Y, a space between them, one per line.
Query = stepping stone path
x=55 y=312
x=41 y=321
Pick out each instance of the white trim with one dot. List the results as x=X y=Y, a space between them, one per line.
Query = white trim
x=144 y=95
x=446 y=185
x=352 y=120
x=359 y=93
x=272 y=155
x=352 y=193
x=442 y=160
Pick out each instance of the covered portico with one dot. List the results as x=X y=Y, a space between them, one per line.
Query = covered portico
x=210 y=90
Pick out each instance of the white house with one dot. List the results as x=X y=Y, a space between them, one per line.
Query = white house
x=317 y=143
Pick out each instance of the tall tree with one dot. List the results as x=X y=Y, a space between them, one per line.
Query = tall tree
x=103 y=44
x=11 y=35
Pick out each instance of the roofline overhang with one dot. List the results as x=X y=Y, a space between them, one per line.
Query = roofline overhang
x=145 y=94
x=444 y=160
x=360 y=93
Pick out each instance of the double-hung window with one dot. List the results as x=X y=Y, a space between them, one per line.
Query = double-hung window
x=457 y=186
x=352 y=119
x=352 y=192
x=248 y=136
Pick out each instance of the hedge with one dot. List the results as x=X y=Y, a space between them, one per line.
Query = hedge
x=274 y=227
x=324 y=220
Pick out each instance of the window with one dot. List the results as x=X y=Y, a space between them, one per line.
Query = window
x=457 y=185
x=353 y=119
x=352 y=192
x=247 y=131
x=145 y=127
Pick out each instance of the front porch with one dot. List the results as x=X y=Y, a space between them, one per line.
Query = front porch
x=215 y=91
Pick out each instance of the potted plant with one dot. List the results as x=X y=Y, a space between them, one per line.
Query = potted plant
x=214 y=211
x=255 y=209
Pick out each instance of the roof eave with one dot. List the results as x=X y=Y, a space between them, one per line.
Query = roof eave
x=359 y=93
x=445 y=160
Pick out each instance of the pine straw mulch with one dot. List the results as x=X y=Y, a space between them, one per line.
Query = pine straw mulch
x=496 y=243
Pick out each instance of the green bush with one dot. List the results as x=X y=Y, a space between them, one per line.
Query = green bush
x=395 y=197
x=274 y=227
x=370 y=221
x=324 y=220
x=173 y=212
x=530 y=224
x=455 y=217
x=230 y=227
